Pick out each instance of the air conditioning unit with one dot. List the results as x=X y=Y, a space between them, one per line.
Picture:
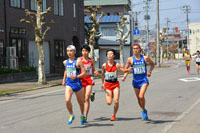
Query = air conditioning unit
x=11 y=51
x=12 y=63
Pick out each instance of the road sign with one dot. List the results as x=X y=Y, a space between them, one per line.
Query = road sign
x=136 y=32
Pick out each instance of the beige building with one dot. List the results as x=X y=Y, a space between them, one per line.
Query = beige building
x=194 y=37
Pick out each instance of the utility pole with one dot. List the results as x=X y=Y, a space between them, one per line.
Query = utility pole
x=132 y=25
x=158 y=35
x=167 y=36
x=147 y=18
x=187 y=9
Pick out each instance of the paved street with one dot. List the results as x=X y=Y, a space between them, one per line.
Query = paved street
x=173 y=103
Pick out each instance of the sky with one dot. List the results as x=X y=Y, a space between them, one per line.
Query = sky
x=171 y=9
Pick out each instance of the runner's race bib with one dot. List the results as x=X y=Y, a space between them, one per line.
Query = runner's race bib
x=139 y=69
x=198 y=59
x=188 y=58
x=88 y=70
x=71 y=71
x=111 y=75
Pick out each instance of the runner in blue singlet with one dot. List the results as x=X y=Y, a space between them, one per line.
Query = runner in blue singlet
x=140 y=81
x=73 y=83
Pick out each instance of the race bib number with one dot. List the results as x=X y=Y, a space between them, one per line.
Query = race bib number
x=187 y=58
x=71 y=71
x=197 y=59
x=88 y=70
x=110 y=75
x=139 y=69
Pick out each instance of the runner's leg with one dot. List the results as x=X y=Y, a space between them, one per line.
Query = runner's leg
x=116 y=93
x=88 y=90
x=68 y=95
x=108 y=97
x=80 y=99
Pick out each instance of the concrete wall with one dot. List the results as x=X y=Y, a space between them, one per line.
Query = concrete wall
x=194 y=37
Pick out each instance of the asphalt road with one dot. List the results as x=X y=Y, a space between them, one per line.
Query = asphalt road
x=172 y=101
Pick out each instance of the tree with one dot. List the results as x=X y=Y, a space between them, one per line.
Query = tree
x=173 y=48
x=35 y=19
x=95 y=26
x=123 y=36
x=87 y=28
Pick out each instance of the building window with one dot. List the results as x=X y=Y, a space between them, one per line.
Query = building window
x=1 y=46
x=117 y=56
x=60 y=49
x=18 y=43
x=34 y=5
x=17 y=3
x=108 y=31
x=74 y=7
x=15 y=30
x=58 y=7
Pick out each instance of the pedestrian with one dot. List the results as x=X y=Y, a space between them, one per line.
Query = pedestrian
x=197 y=59
x=187 y=58
x=72 y=81
x=88 y=81
x=140 y=81
x=111 y=84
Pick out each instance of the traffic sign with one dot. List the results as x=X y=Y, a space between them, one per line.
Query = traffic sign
x=136 y=32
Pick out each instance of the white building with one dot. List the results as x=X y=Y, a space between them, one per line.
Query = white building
x=194 y=37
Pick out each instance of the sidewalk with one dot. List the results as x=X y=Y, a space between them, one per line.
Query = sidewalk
x=29 y=85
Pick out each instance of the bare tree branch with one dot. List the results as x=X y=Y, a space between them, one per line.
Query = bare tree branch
x=47 y=29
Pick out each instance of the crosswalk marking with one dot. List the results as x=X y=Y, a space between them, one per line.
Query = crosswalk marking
x=190 y=79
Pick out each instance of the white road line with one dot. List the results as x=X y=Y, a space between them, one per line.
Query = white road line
x=169 y=126
x=190 y=79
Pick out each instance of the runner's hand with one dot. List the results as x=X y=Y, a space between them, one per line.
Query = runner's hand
x=149 y=74
x=123 y=78
x=96 y=72
x=102 y=87
x=63 y=83
x=73 y=77
x=130 y=69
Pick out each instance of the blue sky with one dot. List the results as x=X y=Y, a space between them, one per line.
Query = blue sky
x=168 y=8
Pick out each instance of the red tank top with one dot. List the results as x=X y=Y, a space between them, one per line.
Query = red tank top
x=88 y=67
x=111 y=73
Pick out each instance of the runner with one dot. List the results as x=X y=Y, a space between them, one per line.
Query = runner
x=140 y=80
x=197 y=59
x=87 y=81
x=187 y=58
x=73 y=83
x=111 y=85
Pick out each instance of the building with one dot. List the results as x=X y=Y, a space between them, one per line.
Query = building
x=111 y=9
x=194 y=37
x=17 y=46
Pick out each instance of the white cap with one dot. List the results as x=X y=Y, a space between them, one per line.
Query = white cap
x=71 y=47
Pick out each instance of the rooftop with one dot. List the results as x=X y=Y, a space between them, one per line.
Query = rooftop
x=104 y=19
x=106 y=2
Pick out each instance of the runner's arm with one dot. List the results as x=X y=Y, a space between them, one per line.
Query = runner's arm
x=147 y=59
x=126 y=66
x=65 y=75
x=103 y=75
x=93 y=68
x=124 y=70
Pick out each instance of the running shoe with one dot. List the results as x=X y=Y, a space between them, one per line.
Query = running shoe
x=71 y=118
x=82 y=119
x=189 y=72
x=85 y=118
x=112 y=118
x=144 y=115
x=92 y=97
